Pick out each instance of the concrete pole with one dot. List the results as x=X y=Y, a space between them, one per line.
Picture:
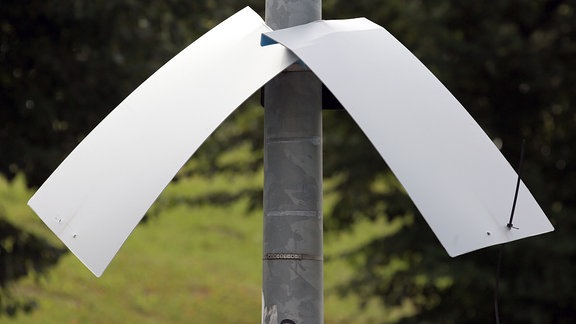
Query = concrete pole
x=292 y=290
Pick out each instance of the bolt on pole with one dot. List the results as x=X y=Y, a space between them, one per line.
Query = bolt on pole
x=292 y=283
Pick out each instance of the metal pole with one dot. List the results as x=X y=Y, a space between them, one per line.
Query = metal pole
x=292 y=290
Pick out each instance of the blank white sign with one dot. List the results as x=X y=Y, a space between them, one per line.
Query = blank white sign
x=96 y=197
x=455 y=175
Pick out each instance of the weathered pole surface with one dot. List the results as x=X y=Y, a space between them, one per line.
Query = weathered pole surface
x=292 y=290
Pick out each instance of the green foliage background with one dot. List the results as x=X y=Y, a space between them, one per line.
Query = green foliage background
x=65 y=64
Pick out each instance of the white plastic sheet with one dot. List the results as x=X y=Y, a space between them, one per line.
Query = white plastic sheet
x=96 y=197
x=454 y=174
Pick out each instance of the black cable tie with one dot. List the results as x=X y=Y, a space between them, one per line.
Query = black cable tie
x=519 y=171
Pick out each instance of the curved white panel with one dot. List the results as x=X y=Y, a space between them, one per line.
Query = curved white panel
x=96 y=197
x=454 y=174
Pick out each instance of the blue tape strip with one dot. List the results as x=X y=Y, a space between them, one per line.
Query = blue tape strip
x=265 y=40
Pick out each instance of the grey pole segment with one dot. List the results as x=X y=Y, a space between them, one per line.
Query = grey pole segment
x=292 y=290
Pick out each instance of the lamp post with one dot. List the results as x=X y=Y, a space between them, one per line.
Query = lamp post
x=292 y=290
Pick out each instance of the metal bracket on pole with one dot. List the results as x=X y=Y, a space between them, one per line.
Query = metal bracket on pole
x=329 y=101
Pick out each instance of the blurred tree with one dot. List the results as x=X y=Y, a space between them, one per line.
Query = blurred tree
x=511 y=64
x=21 y=253
x=65 y=64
